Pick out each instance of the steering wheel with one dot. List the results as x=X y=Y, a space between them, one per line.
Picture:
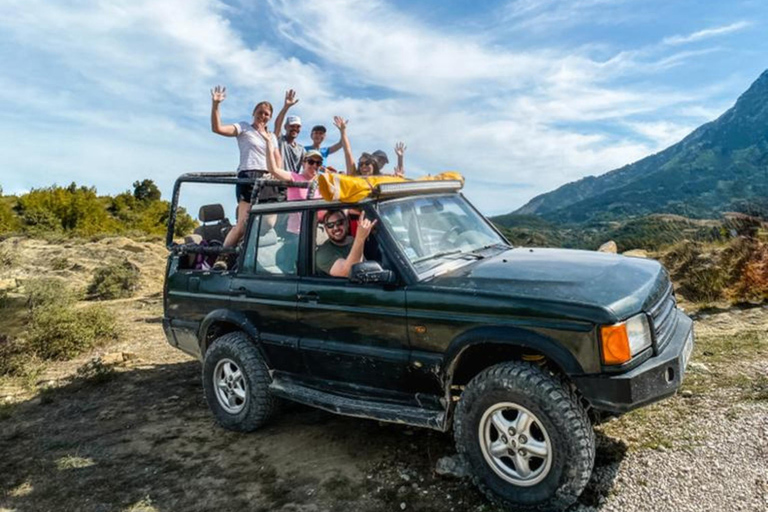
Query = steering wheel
x=450 y=237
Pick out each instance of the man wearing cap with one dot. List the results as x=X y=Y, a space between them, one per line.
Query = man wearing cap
x=291 y=151
x=318 y=136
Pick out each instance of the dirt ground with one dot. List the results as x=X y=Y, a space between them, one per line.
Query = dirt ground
x=141 y=438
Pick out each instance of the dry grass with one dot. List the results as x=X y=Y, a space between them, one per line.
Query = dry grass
x=736 y=271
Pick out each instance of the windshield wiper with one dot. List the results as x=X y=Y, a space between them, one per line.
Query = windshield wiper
x=447 y=253
x=489 y=246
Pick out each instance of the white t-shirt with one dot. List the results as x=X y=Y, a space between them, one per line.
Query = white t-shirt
x=253 y=147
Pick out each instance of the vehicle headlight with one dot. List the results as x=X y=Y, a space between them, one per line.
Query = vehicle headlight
x=639 y=333
x=622 y=341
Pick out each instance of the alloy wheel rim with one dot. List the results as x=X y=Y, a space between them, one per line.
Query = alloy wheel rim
x=515 y=444
x=230 y=386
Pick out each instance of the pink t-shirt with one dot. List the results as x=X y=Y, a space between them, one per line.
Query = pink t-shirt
x=297 y=194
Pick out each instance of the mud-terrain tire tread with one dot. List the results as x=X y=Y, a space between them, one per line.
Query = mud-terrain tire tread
x=558 y=401
x=261 y=405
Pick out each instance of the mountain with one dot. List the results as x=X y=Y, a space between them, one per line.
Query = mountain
x=720 y=166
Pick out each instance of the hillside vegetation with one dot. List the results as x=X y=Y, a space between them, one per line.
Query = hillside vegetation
x=79 y=211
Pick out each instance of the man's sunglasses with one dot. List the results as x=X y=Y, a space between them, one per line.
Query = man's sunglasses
x=314 y=162
x=332 y=224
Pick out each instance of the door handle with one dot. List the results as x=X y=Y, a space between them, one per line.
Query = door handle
x=311 y=297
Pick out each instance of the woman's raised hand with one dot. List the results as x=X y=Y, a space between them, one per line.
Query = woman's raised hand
x=266 y=135
x=218 y=94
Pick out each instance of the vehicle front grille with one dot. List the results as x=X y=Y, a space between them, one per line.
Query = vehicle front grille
x=663 y=319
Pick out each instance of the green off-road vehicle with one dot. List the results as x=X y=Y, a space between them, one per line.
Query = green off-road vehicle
x=445 y=325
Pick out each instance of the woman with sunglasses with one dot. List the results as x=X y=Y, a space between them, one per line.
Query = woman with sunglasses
x=313 y=160
x=368 y=164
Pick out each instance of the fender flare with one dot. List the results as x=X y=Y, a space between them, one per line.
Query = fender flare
x=512 y=336
x=235 y=318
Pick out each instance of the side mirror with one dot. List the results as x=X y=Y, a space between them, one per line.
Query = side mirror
x=368 y=272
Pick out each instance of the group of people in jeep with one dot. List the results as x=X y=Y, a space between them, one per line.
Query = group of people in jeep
x=265 y=154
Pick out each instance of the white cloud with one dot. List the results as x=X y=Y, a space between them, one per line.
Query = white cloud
x=135 y=103
x=543 y=15
x=379 y=46
x=707 y=33
x=662 y=133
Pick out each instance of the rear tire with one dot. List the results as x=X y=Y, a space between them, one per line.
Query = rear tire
x=526 y=436
x=236 y=383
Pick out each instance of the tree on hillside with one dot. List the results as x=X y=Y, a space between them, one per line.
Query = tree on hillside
x=73 y=209
x=146 y=190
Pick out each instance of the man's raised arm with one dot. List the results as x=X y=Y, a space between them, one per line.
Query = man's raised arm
x=343 y=267
x=290 y=100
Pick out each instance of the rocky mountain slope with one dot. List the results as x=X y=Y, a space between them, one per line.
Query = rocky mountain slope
x=720 y=166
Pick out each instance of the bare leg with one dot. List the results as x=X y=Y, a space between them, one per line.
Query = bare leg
x=236 y=233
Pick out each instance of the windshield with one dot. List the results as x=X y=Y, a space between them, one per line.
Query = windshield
x=435 y=230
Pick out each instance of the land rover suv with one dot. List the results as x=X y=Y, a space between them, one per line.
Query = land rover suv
x=445 y=325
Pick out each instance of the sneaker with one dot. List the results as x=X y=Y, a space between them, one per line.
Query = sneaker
x=220 y=265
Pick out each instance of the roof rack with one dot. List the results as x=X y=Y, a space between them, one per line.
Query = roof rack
x=226 y=178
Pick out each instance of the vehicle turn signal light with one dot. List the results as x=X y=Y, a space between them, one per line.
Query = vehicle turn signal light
x=615 y=344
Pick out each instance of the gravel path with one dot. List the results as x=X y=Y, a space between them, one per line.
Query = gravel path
x=726 y=471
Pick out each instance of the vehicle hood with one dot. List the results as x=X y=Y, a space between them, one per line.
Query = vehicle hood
x=619 y=286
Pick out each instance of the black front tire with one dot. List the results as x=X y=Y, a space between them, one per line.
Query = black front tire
x=561 y=424
x=234 y=365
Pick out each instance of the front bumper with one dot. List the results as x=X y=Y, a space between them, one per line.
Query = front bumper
x=657 y=378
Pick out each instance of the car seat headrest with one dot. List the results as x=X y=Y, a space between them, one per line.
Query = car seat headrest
x=211 y=213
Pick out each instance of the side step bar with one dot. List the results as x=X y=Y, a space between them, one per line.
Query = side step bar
x=382 y=411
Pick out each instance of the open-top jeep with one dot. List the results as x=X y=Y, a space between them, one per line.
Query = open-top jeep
x=445 y=326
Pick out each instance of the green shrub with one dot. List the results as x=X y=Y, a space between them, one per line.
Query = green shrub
x=115 y=281
x=9 y=222
x=48 y=291
x=16 y=360
x=8 y=355
x=96 y=371
x=56 y=329
x=62 y=332
x=60 y=263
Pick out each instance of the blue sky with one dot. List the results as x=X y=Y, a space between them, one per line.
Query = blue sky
x=520 y=96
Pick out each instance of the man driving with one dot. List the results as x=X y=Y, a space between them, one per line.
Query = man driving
x=336 y=255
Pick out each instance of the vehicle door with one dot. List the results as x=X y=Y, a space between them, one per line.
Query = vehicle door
x=266 y=284
x=352 y=333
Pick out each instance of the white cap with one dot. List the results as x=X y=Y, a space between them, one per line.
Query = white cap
x=293 y=120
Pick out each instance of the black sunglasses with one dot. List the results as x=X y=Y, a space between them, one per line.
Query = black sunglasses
x=332 y=224
x=314 y=162
x=365 y=162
